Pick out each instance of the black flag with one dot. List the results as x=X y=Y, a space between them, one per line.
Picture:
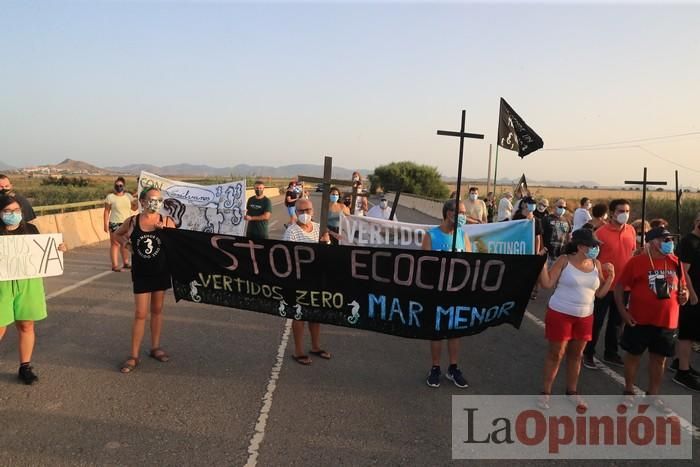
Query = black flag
x=514 y=134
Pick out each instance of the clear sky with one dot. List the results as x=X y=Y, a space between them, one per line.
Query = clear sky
x=222 y=83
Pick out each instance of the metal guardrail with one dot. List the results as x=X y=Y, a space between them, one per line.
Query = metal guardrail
x=68 y=207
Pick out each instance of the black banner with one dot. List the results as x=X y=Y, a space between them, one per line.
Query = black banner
x=514 y=134
x=408 y=293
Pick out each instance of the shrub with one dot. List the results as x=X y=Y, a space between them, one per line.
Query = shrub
x=409 y=177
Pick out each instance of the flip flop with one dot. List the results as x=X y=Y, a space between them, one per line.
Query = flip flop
x=321 y=353
x=159 y=354
x=302 y=359
x=116 y=269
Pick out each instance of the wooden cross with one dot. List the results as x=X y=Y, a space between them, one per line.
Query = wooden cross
x=461 y=135
x=644 y=182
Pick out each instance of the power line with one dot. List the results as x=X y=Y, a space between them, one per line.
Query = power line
x=640 y=140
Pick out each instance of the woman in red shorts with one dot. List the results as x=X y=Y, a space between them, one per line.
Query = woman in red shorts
x=578 y=278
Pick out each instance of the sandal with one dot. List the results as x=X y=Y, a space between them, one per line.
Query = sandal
x=116 y=269
x=321 y=353
x=127 y=366
x=628 y=398
x=543 y=400
x=126 y=266
x=159 y=354
x=302 y=359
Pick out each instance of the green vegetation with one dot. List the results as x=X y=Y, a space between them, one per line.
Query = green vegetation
x=409 y=177
x=666 y=209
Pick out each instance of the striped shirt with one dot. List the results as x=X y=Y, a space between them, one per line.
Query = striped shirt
x=294 y=233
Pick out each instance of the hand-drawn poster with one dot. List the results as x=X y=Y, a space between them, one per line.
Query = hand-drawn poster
x=204 y=208
x=29 y=256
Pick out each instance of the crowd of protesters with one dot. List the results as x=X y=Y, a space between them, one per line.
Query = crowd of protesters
x=609 y=276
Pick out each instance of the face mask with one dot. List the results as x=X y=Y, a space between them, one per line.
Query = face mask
x=667 y=247
x=605 y=216
x=11 y=218
x=4 y=191
x=304 y=218
x=639 y=239
x=561 y=211
x=347 y=202
x=473 y=196
x=334 y=198
x=530 y=207
x=461 y=220
x=119 y=188
x=154 y=205
x=592 y=252
x=259 y=192
x=355 y=178
x=541 y=208
x=588 y=206
x=383 y=204
x=623 y=217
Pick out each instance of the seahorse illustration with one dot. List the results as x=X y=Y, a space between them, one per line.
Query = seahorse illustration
x=281 y=308
x=194 y=293
x=298 y=314
x=355 y=310
x=175 y=210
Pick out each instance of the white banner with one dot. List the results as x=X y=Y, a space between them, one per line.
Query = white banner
x=28 y=256
x=512 y=237
x=204 y=208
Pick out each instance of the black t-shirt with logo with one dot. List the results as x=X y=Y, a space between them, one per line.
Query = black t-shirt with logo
x=258 y=207
x=148 y=258
x=689 y=252
x=293 y=195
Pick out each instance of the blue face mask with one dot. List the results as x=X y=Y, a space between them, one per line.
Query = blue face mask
x=667 y=247
x=461 y=220
x=335 y=198
x=11 y=218
x=561 y=211
x=531 y=207
x=593 y=252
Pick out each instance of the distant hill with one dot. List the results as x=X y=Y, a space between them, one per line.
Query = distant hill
x=67 y=166
x=242 y=170
x=532 y=182
x=4 y=166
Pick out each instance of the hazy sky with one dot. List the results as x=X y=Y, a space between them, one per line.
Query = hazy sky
x=223 y=83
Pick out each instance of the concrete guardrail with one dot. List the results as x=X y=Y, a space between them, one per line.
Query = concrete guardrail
x=86 y=226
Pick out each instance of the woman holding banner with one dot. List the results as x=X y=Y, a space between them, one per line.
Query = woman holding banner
x=336 y=209
x=149 y=273
x=577 y=278
x=22 y=301
x=440 y=239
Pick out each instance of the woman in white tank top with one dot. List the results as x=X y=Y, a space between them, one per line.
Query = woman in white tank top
x=578 y=278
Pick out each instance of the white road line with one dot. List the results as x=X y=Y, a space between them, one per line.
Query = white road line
x=256 y=440
x=615 y=376
x=78 y=284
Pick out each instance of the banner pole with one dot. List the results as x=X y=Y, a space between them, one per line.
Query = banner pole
x=488 y=172
x=325 y=200
x=495 y=173
x=644 y=204
x=679 y=193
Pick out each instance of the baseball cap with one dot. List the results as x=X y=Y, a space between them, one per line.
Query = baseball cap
x=658 y=232
x=584 y=237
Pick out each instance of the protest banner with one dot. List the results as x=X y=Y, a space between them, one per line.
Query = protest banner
x=28 y=256
x=512 y=238
x=410 y=293
x=204 y=208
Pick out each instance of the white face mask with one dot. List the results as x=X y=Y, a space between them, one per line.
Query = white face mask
x=473 y=196
x=383 y=204
x=623 y=217
x=541 y=208
x=304 y=218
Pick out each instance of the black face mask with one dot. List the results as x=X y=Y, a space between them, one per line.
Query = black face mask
x=347 y=202
x=5 y=191
x=259 y=192
x=118 y=188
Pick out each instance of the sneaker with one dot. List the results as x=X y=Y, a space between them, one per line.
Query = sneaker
x=454 y=374
x=614 y=360
x=434 y=377
x=26 y=375
x=687 y=380
x=673 y=367
x=589 y=362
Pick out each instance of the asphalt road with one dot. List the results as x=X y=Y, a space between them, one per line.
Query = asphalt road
x=368 y=405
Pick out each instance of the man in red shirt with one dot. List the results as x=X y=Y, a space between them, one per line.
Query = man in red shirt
x=617 y=243
x=657 y=290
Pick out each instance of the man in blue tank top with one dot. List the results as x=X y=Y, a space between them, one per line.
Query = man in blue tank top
x=440 y=238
